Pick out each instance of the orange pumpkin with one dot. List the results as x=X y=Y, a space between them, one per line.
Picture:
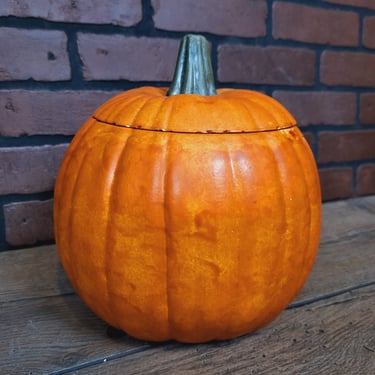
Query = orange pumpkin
x=191 y=214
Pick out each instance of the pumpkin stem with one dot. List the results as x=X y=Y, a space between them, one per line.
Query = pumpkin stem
x=193 y=73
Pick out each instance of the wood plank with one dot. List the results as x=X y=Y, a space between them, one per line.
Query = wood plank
x=38 y=273
x=48 y=334
x=43 y=335
x=349 y=217
x=341 y=264
x=31 y=273
x=346 y=254
x=335 y=336
x=347 y=225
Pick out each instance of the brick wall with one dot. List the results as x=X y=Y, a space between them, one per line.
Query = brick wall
x=60 y=59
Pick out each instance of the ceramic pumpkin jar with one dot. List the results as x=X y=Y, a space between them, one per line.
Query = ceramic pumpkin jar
x=189 y=214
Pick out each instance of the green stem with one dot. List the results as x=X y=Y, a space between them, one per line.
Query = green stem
x=193 y=73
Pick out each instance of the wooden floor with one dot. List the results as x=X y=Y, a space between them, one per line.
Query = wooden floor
x=328 y=329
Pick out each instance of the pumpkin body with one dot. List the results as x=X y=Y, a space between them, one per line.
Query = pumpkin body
x=192 y=214
x=188 y=217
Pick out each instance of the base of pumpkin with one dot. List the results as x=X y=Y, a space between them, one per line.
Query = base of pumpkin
x=115 y=333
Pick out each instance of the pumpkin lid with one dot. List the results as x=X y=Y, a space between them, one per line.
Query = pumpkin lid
x=192 y=104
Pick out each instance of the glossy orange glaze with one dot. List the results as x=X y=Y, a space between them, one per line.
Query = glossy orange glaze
x=183 y=235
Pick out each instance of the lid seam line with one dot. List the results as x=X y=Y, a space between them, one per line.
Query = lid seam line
x=194 y=132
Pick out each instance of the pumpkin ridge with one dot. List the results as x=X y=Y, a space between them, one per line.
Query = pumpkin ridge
x=240 y=102
x=160 y=113
x=234 y=179
x=168 y=110
x=277 y=179
x=280 y=162
x=263 y=106
x=306 y=272
x=131 y=107
x=167 y=241
x=145 y=105
x=115 y=174
x=268 y=104
x=140 y=109
x=306 y=240
x=307 y=192
x=208 y=132
x=308 y=196
x=121 y=104
x=257 y=103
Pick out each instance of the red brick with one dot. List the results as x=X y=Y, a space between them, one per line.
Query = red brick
x=336 y=183
x=357 y=3
x=266 y=65
x=27 y=223
x=346 y=146
x=112 y=57
x=25 y=112
x=368 y=39
x=348 y=69
x=314 y=25
x=236 y=17
x=29 y=169
x=37 y=54
x=320 y=107
x=116 y=12
x=366 y=179
x=368 y=109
